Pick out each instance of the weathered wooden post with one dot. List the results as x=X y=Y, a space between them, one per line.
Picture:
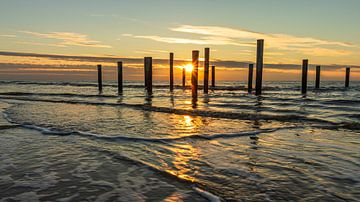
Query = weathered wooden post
x=171 y=72
x=317 y=81
x=213 y=76
x=194 y=75
x=148 y=74
x=206 y=70
x=250 y=78
x=183 y=77
x=259 y=65
x=120 y=77
x=347 y=77
x=145 y=74
x=100 y=86
x=304 y=76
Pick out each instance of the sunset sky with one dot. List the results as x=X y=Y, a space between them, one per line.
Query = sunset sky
x=326 y=32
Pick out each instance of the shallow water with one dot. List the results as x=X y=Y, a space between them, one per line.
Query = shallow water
x=235 y=146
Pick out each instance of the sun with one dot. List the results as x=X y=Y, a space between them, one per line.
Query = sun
x=188 y=67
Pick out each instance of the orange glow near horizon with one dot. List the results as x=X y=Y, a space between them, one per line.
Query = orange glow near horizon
x=43 y=68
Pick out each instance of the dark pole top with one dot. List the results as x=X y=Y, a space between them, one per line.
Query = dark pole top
x=304 y=76
x=259 y=65
x=194 y=75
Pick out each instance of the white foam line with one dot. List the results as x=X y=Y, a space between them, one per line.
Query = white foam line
x=209 y=196
x=50 y=131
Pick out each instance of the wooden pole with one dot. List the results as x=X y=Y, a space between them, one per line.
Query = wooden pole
x=148 y=74
x=250 y=78
x=213 y=76
x=304 y=76
x=171 y=72
x=317 y=81
x=100 y=78
x=145 y=74
x=347 y=77
x=120 y=77
x=183 y=77
x=206 y=70
x=259 y=65
x=194 y=75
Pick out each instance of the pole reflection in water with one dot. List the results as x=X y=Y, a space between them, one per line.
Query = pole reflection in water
x=259 y=101
x=148 y=114
x=148 y=100
x=206 y=99
x=172 y=100
x=252 y=156
x=120 y=99
x=259 y=104
x=257 y=124
x=194 y=103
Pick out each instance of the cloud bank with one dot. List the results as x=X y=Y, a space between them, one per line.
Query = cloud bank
x=217 y=35
x=67 y=39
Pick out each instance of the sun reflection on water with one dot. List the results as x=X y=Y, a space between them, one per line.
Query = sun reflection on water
x=188 y=120
x=184 y=155
x=181 y=163
x=188 y=124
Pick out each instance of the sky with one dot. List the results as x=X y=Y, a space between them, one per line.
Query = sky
x=324 y=31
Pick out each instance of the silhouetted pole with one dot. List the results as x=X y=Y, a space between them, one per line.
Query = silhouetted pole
x=145 y=74
x=259 y=65
x=148 y=74
x=183 y=77
x=213 y=76
x=171 y=72
x=100 y=78
x=194 y=75
x=317 y=81
x=304 y=76
x=250 y=78
x=206 y=70
x=120 y=77
x=347 y=77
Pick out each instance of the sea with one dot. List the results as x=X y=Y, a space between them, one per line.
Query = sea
x=65 y=141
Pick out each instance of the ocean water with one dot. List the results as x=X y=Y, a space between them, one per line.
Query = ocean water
x=66 y=142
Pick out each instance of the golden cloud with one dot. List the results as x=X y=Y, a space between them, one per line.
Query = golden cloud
x=69 y=39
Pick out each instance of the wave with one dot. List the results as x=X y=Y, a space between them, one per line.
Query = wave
x=341 y=102
x=203 y=113
x=226 y=104
x=201 y=188
x=61 y=132
x=49 y=131
x=5 y=127
x=121 y=138
x=194 y=112
x=211 y=197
